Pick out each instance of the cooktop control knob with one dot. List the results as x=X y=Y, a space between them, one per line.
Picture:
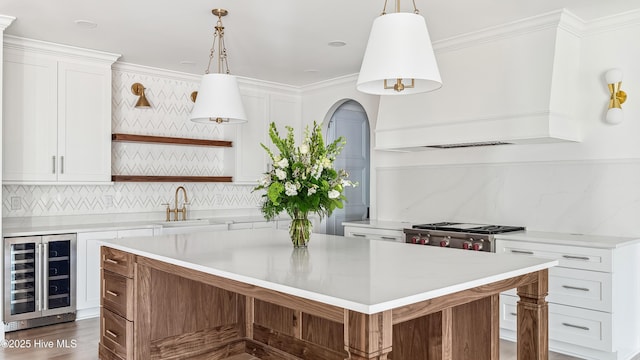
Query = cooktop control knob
x=445 y=242
x=415 y=239
x=466 y=245
x=424 y=241
x=477 y=246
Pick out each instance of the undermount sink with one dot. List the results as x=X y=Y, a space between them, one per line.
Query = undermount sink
x=194 y=222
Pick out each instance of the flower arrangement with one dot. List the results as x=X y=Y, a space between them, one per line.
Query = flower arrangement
x=302 y=180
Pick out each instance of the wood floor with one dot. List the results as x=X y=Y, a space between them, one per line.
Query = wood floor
x=82 y=344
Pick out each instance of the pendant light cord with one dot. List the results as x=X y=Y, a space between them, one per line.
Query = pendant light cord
x=222 y=49
x=384 y=9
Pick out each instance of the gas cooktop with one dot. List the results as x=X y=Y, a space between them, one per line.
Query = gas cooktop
x=469 y=228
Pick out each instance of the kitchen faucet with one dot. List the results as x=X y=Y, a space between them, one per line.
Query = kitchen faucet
x=175 y=210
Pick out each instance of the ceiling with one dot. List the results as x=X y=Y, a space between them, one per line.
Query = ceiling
x=284 y=41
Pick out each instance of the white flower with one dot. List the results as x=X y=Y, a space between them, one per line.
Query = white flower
x=311 y=191
x=326 y=163
x=283 y=163
x=265 y=180
x=281 y=174
x=333 y=194
x=346 y=183
x=290 y=189
x=304 y=149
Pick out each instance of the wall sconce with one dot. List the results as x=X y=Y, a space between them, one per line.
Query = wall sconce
x=613 y=78
x=138 y=90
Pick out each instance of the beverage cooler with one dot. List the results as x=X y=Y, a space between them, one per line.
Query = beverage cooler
x=39 y=280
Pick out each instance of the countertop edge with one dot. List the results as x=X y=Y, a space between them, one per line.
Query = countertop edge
x=331 y=300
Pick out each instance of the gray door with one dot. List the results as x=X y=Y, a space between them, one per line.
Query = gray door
x=350 y=121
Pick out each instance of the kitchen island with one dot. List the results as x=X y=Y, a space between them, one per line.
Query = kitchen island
x=217 y=294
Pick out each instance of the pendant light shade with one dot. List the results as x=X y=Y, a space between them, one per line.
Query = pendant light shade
x=399 y=58
x=218 y=100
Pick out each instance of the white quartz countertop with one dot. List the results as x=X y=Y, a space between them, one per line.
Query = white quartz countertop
x=63 y=225
x=593 y=241
x=357 y=274
x=378 y=224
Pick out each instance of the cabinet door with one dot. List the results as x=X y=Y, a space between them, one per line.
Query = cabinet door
x=88 y=288
x=251 y=159
x=29 y=118
x=84 y=123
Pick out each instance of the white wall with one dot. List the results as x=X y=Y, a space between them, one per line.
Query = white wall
x=586 y=187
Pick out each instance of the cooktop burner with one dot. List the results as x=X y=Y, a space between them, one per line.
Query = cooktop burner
x=469 y=228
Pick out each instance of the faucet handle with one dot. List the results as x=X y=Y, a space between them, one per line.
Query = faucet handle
x=168 y=211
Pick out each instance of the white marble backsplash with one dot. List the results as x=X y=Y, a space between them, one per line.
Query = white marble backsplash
x=588 y=197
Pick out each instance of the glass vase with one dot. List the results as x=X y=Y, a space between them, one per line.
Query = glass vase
x=300 y=229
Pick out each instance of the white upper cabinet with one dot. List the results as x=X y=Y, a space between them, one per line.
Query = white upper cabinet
x=57 y=113
x=262 y=106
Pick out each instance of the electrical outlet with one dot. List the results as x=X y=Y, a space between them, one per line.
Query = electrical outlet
x=16 y=203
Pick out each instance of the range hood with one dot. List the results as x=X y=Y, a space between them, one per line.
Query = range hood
x=513 y=84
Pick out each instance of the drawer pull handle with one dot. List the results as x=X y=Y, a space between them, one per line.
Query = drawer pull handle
x=522 y=252
x=571 y=257
x=574 y=288
x=112 y=334
x=388 y=238
x=514 y=314
x=111 y=261
x=359 y=235
x=576 y=326
x=112 y=293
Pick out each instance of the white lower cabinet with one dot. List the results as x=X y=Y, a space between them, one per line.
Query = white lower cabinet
x=593 y=299
x=254 y=225
x=88 y=267
x=173 y=230
x=372 y=233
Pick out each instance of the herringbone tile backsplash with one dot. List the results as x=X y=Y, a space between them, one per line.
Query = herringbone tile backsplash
x=168 y=116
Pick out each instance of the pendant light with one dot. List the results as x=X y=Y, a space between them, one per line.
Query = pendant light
x=218 y=100
x=399 y=58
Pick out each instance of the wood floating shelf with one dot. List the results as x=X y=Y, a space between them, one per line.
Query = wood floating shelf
x=148 y=178
x=169 y=140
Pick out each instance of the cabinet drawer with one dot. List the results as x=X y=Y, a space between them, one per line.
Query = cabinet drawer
x=577 y=326
x=116 y=334
x=117 y=261
x=374 y=234
x=567 y=256
x=579 y=288
x=117 y=294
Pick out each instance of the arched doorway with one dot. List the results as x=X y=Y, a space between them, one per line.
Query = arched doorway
x=350 y=121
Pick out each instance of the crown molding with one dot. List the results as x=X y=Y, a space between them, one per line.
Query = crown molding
x=5 y=21
x=559 y=18
x=341 y=80
x=183 y=76
x=53 y=49
x=612 y=23
x=153 y=71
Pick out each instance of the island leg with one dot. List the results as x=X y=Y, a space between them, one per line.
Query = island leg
x=368 y=337
x=533 y=312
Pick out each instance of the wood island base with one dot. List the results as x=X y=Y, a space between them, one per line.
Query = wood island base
x=156 y=310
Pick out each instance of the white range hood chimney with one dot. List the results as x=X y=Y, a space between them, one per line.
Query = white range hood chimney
x=512 y=84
